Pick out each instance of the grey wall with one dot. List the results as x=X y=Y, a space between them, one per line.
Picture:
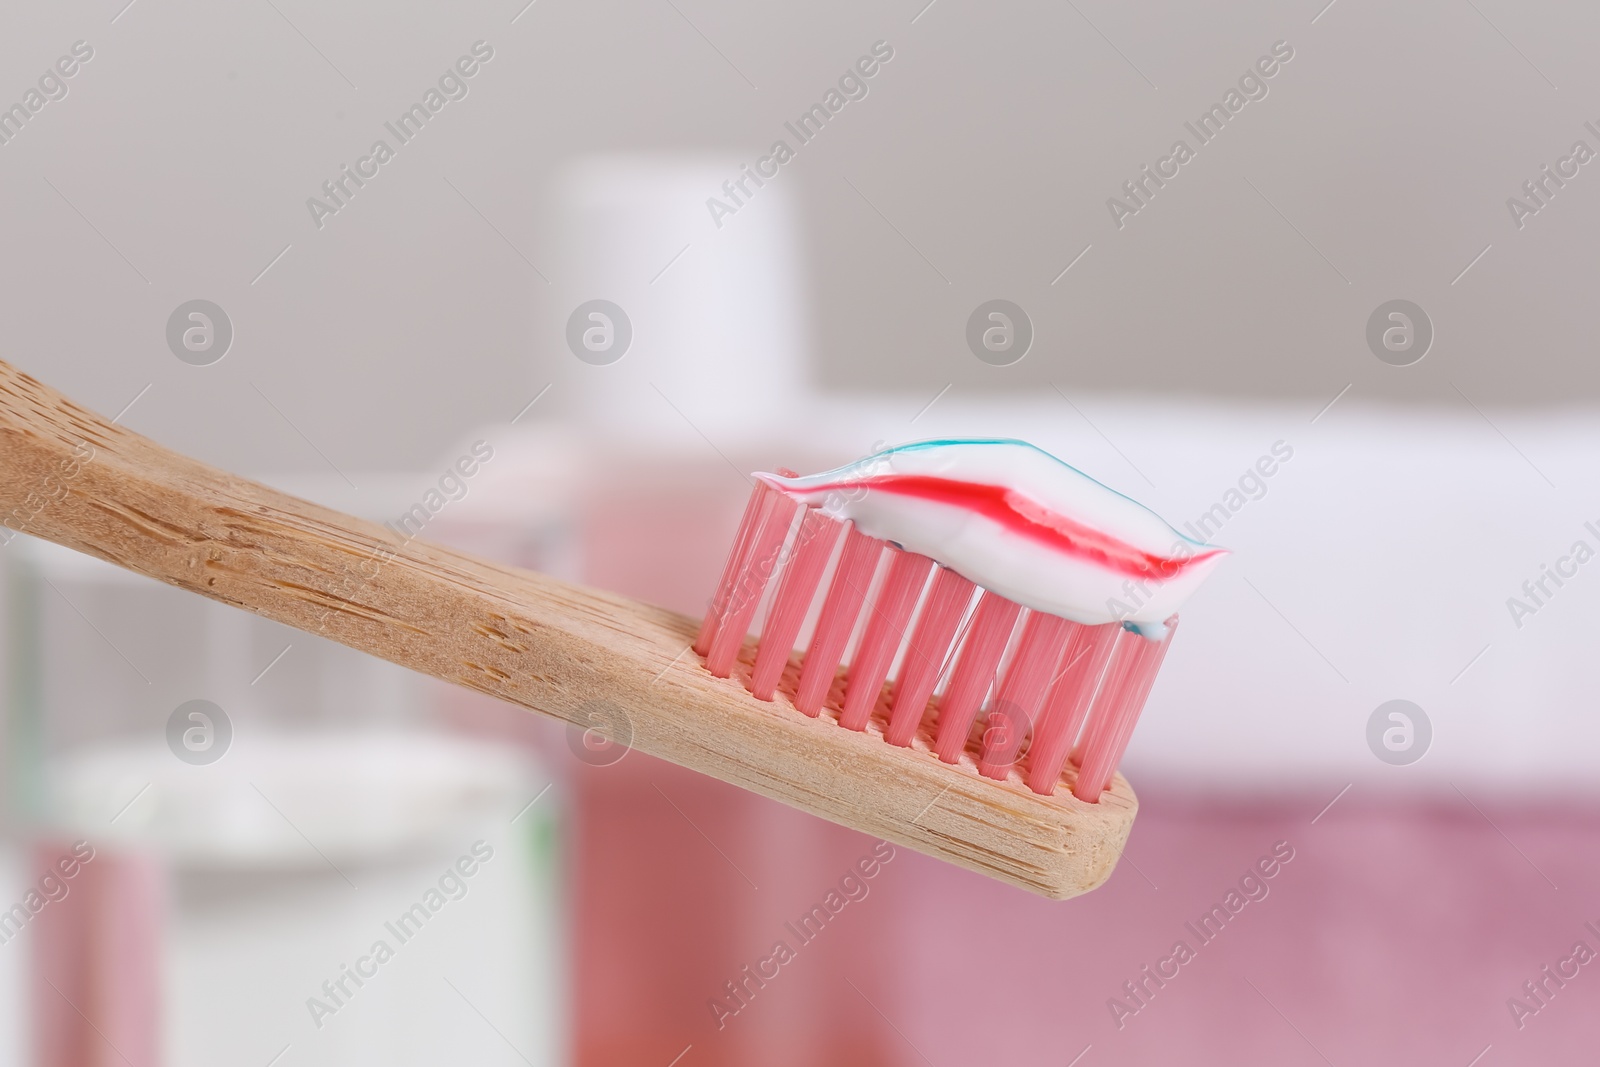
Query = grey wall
x=979 y=165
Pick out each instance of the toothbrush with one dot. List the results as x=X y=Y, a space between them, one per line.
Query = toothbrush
x=75 y=478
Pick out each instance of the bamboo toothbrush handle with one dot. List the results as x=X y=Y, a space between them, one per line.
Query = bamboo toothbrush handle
x=70 y=476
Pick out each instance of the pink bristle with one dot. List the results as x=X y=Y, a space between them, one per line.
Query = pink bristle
x=925 y=655
x=730 y=571
x=986 y=640
x=1066 y=704
x=840 y=610
x=1106 y=700
x=1134 y=663
x=797 y=588
x=1016 y=706
x=887 y=620
x=755 y=567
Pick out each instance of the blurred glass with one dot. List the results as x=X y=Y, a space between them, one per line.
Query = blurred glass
x=254 y=819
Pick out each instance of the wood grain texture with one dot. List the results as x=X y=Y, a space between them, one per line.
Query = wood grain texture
x=69 y=476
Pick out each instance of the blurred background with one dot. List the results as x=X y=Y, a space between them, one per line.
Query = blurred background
x=1370 y=262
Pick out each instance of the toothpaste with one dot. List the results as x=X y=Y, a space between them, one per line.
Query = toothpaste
x=1019 y=522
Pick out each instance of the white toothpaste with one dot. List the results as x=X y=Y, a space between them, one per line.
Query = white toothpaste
x=1019 y=522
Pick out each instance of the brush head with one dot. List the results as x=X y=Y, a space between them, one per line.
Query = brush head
x=1034 y=693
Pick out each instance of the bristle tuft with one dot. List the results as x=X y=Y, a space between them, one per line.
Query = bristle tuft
x=1131 y=673
x=1016 y=704
x=796 y=590
x=1066 y=704
x=985 y=643
x=887 y=621
x=730 y=571
x=755 y=566
x=840 y=610
x=927 y=653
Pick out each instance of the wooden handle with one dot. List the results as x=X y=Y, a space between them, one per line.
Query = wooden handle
x=69 y=476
